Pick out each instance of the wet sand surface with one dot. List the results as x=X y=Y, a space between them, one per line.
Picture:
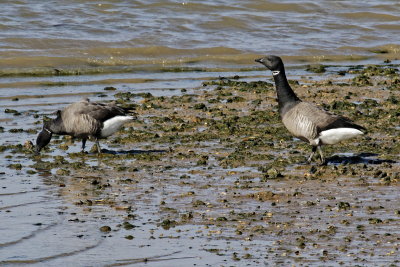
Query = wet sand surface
x=208 y=175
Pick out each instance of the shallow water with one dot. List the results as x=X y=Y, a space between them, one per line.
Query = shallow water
x=81 y=36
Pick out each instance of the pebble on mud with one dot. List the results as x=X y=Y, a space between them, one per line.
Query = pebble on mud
x=167 y=224
x=28 y=145
x=316 y=68
x=105 y=229
x=273 y=173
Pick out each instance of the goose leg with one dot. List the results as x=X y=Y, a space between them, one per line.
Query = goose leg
x=98 y=146
x=323 y=160
x=83 y=144
x=314 y=148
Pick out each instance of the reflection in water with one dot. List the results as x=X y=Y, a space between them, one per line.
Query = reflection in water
x=132 y=151
x=350 y=158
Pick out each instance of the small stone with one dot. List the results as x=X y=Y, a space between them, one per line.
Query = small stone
x=105 y=229
x=316 y=68
x=343 y=205
x=374 y=220
x=28 y=145
x=15 y=166
x=128 y=226
x=167 y=224
x=222 y=219
x=8 y=110
x=273 y=174
x=201 y=106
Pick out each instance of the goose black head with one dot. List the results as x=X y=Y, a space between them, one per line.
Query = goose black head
x=273 y=63
x=43 y=138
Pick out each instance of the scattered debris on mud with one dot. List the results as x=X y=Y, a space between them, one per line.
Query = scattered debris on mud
x=221 y=159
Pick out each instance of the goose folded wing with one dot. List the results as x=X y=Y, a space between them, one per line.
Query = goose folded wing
x=324 y=120
x=98 y=111
x=103 y=113
x=306 y=121
x=340 y=122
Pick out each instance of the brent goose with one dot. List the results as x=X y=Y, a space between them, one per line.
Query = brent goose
x=85 y=120
x=304 y=120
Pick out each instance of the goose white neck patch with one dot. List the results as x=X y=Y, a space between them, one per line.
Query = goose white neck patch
x=275 y=72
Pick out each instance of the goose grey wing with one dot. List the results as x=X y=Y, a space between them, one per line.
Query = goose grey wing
x=340 y=122
x=98 y=111
x=103 y=112
x=78 y=121
x=324 y=120
x=306 y=121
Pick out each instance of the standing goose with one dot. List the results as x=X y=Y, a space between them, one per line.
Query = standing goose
x=85 y=120
x=304 y=120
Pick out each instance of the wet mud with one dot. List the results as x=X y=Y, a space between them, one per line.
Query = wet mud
x=210 y=176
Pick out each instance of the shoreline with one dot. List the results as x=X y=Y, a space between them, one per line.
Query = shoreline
x=167 y=59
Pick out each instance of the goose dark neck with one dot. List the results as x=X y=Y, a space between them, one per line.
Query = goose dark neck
x=284 y=91
x=57 y=126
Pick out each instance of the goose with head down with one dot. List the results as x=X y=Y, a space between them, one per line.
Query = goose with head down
x=85 y=120
x=304 y=120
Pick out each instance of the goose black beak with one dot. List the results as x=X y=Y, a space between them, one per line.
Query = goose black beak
x=259 y=60
x=37 y=151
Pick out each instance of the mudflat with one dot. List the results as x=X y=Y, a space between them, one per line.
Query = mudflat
x=211 y=176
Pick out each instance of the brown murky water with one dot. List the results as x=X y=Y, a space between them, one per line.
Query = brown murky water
x=208 y=175
x=81 y=36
